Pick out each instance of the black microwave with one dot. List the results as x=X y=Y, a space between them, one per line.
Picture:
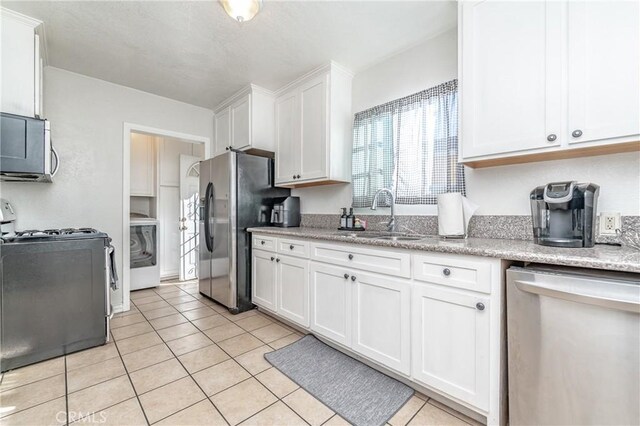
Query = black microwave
x=26 y=153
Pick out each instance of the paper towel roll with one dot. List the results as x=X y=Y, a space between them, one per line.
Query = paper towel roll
x=454 y=214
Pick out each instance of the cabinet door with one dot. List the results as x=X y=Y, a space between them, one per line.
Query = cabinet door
x=287 y=138
x=223 y=130
x=603 y=64
x=293 y=289
x=143 y=165
x=313 y=128
x=511 y=76
x=381 y=320
x=331 y=302
x=241 y=123
x=451 y=342
x=263 y=279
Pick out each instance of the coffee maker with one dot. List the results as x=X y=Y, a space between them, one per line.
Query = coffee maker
x=286 y=212
x=564 y=214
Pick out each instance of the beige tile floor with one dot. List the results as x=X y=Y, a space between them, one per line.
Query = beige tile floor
x=177 y=358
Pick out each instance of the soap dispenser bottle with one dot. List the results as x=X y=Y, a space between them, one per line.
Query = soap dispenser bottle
x=350 y=219
x=343 y=218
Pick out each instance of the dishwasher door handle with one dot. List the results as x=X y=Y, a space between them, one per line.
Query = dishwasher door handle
x=550 y=290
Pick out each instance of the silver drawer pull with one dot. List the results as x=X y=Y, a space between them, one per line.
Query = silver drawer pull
x=273 y=258
x=552 y=137
x=353 y=277
x=480 y=306
x=576 y=133
x=346 y=276
x=277 y=260
x=291 y=247
x=446 y=272
x=262 y=242
x=350 y=257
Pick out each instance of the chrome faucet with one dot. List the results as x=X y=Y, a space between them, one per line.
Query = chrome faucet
x=391 y=226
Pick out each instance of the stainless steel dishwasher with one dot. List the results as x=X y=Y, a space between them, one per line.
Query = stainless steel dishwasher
x=573 y=346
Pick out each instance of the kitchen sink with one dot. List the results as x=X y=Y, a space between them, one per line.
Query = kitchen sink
x=388 y=237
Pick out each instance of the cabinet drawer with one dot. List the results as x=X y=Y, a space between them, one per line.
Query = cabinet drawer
x=293 y=247
x=263 y=242
x=453 y=271
x=382 y=261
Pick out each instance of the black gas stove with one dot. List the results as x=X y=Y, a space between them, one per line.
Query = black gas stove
x=52 y=235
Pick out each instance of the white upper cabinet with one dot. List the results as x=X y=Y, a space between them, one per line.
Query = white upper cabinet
x=21 y=65
x=536 y=77
x=245 y=121
x=603 y=70
x=511 y=77
x=314 y=129
x=143 y=165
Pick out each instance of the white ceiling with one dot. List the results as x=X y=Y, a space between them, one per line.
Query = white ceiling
x=193 y=52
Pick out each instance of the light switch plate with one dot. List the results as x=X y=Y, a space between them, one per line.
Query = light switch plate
x=609 y=222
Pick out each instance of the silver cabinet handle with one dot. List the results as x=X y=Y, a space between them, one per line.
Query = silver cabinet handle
x=298 y=177
x=552 y=137
x=346 y=276
x=277 y=260
x=262 y=242
x=480 y=306
x=353 y=277
x=291 y=247
x=446 y=272
x=55 y=154
x=576 y=133
x=273 y=258
x=350 y=257
x=294 y=176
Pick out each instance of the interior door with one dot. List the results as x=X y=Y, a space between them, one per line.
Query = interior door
x=603 y=64
x=189 y=195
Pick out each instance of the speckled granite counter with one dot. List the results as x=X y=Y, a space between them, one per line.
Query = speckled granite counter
x=600 y=257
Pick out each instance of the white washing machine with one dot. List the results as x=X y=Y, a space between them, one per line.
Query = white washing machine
x=144 y=260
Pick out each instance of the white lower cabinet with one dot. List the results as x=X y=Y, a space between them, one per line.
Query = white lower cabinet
x=292 y=289
x=451 y=342
x=331 y=302
x=434 y=318
x=381 y=318
x=263 y=279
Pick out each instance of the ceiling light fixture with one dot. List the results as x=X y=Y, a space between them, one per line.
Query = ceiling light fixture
x=242 y=10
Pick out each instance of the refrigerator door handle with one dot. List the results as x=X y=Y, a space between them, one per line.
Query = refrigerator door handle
x=559 y=293
x=208 y=205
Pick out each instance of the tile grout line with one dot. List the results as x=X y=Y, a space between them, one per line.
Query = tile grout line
x=66 y=391
x=189 y=375
x=251 y=376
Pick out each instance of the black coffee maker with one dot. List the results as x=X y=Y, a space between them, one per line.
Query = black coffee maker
x=564 y=214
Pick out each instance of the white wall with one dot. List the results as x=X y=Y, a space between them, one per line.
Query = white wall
x=498 y=190
x=87 y=117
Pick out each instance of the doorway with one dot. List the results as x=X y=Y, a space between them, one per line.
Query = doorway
x=161 y=179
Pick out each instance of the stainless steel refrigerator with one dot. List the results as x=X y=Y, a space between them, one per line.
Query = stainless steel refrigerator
x=237 y=193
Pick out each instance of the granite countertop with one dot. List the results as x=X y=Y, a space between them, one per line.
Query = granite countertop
x=608 y=257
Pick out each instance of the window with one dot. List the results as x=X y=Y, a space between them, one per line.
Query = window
x=410 y=146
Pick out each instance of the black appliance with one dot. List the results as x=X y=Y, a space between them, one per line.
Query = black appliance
x=55 y=293
x=564 y=214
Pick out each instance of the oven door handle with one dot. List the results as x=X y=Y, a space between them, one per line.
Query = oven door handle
x=111 y=279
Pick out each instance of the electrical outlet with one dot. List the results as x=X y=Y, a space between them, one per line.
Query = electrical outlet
x=609 y=222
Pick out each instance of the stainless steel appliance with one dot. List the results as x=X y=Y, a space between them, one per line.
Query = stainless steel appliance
x=564 y=214
x=286 y=212
x=26 y=153
x=55 y=293
x=237 y=193
x=7 y=219
x=143 y=253
x=573 y=346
